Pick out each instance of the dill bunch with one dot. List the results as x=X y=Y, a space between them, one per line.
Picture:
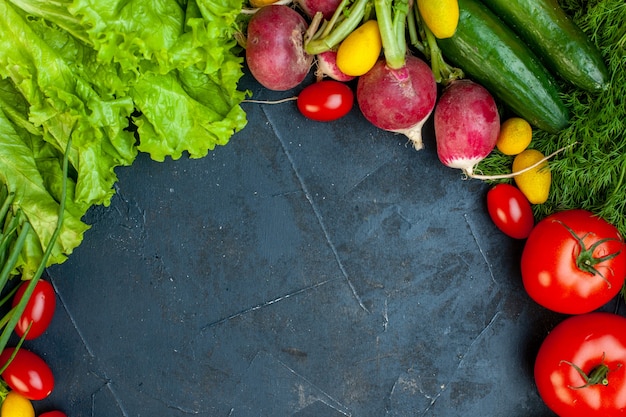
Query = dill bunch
x=591 y=174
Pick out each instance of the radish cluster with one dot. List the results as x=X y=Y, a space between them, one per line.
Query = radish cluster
x=398 y=93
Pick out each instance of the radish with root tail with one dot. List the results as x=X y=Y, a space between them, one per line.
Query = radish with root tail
x=275 y=47
x=399 y=93
x=467 y=124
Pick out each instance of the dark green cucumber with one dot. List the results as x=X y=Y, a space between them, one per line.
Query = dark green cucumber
x=555 y=38
x=490 y=53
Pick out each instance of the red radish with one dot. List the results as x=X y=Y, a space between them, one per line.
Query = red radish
x=398 y=100
x=326 y=7
x=467 y=125
x=327 y=65
x=274 y=48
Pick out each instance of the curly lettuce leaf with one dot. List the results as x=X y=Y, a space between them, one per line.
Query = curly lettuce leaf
x=64 y=104
x=31 y=168
x=83 y=72
x=142 y=36
x=184 y=111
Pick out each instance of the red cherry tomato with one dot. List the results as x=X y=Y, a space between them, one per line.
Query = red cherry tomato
x=510 y=211
x=39 y=309
x=573 y=262
x=580 y=369
x=53 y=414
x=27 y=374
x=325 y=100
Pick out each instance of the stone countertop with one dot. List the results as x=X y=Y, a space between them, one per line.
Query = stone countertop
x=305 y=269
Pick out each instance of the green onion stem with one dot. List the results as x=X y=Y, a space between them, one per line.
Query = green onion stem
x=14 y=254
x=19 y=308
x=7 y=203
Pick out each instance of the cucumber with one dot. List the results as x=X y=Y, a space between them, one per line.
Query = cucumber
x=554 y=37
x=491 y=54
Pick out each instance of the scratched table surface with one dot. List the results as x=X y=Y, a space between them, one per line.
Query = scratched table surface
x=305 y=269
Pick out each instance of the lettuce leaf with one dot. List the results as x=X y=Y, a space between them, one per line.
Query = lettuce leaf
x=64 y=104
x=31 y=168
x=97 y=74
x=184 y=111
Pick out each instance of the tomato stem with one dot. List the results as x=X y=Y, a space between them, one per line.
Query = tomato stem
x=597 y=376
x=585 y=260
x=4 y=390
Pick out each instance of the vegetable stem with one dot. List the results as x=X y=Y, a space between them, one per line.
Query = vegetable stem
x=391 y=16
x=17 y=312
x=333 y=35
x=14 y=254
x=8 y=200
x=412 y=29
x=444 y=73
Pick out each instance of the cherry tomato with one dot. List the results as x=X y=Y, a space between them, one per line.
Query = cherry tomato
x=39 y=309
x=573 y=262
x=325 y=100
x=510 y=211
x=16 y=405
x=27 y=374
x=53 y=414
x=580 y=369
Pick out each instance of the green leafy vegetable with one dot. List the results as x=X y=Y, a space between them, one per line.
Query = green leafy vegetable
x=81 y=72
x=592 y=173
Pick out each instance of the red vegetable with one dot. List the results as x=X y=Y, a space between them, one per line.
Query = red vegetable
x=326 y=7
x=27 y=374
x=39 y=309
x=580 y=369
x=274 y=48
x=510 y=211
x=467 y=125
x=325 y=100
x=573 y=262
x=53 y=414
x=398 y=100
x=327 y=65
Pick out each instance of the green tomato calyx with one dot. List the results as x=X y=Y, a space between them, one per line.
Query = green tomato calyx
x=585 y=259
x=599 y=375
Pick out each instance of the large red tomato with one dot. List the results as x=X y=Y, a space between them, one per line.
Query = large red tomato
x=580 y=369
x=573 y=262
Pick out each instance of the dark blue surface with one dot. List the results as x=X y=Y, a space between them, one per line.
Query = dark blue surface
x=305 y=269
